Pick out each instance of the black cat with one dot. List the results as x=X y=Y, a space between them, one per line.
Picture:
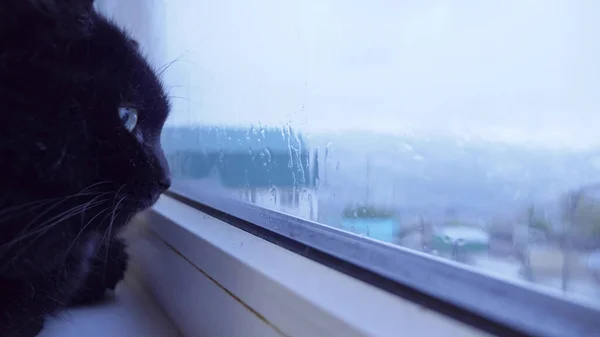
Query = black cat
x=81 y=113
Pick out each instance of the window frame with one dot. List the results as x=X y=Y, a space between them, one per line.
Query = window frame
x=492 y=304
x=214 y=279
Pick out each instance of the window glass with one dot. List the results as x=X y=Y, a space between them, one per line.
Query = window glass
x=463 y=129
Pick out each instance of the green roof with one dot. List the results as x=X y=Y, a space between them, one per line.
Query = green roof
x=251 y=157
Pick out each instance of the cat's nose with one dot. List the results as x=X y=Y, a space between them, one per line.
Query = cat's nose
x=165 y=183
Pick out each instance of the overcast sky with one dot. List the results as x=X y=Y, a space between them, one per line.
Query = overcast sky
x=514 y=70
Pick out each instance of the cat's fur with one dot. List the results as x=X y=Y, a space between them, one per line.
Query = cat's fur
x=71 y=174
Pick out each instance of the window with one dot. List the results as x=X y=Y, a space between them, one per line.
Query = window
x=462 y=131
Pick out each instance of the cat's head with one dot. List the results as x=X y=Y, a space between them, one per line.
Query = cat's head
x=81 y=113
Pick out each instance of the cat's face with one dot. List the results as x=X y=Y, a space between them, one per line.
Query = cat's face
x=81 y=114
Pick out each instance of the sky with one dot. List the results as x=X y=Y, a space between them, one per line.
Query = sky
x=523 y=71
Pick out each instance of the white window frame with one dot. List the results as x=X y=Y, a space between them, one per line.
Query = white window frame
x=214 y=277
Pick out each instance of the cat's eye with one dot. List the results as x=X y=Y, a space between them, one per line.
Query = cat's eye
x=129 y=117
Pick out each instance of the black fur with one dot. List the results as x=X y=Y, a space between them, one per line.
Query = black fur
x=72 y=175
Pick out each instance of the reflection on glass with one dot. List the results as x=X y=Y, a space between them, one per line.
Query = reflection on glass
x=466 y=130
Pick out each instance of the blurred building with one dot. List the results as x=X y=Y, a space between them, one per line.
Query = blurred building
x=270 y=167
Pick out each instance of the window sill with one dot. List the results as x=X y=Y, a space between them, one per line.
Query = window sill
x=215 y=280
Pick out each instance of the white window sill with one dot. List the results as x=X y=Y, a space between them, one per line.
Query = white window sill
x=130 y=312
x=210 y=278
x=216 y=280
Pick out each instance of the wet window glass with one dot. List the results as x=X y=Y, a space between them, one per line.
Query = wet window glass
x=467 y=130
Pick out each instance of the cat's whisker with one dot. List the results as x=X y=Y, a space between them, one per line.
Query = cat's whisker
x=116 y=205
x=109 y=231
x=70 y=213
x=54 y=220
x=23 y=233
x=95 y=185
x=161 y=70
x=29 y=206
x=112 y=214
x=83 y=228
x=43 y=230
x=32 y=222
x=41 y=202
x=45 y=227
x=183 y=98
x=98 y=196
